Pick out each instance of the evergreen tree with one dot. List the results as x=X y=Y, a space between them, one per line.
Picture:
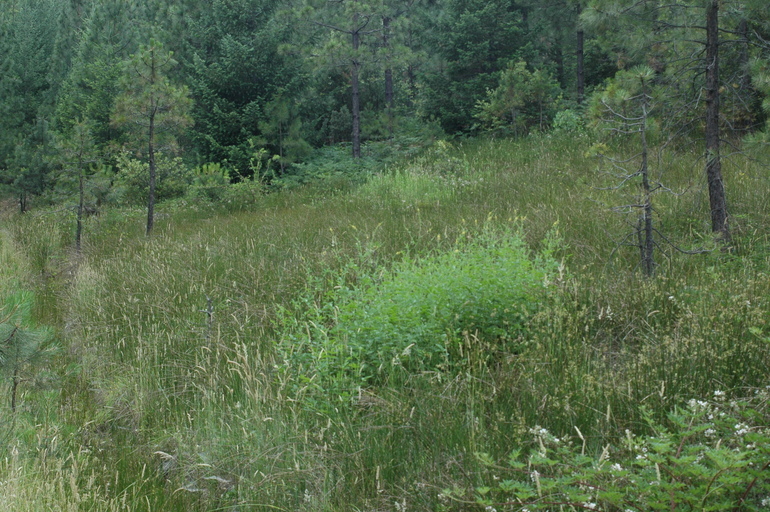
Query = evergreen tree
x=152 y=108
x=692 y=47
x=231 y=62
x=282 y=129
x=78 y=155
x=352 y=28
x=523 y=100
x=88 y=92
x=474 y=41
x=29 y=32
x=22 y=344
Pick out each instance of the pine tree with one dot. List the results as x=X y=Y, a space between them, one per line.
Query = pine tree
x=152 y=108
x=686 y=43
x=78 y=154
x=351 y=27
x=28 y=33
x=22 y=344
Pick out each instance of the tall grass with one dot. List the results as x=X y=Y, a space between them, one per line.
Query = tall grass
x=172 y=381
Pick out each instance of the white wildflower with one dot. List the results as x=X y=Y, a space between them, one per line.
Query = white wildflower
x=616 y=468
x=710 y=432
x=719 y=395
x=589 y=505
x=741 y=429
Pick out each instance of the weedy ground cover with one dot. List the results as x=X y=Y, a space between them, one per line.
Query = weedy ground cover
x=190 y=373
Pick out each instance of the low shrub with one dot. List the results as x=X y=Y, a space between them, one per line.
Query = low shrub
x=714 y=454
x=131 y=183
x=427 y=314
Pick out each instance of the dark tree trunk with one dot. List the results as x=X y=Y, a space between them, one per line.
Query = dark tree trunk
x=579 y=55
x=151 y=152
x=14 y=388
x=355 y=92
x=717 y=199
x=647 y=242
x=151 y=145
x=79 y=229
x=388 y=74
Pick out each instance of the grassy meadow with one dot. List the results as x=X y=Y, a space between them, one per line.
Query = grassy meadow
x=387 y=347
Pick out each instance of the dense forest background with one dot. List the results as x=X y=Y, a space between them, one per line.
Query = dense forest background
x=281 y=91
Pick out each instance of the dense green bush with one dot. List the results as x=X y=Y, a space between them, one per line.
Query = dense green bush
x=131 y=183
x=429 y=314
x=210 y=182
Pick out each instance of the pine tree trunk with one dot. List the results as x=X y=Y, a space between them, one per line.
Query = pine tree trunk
x=648 y=243
x=579 y=55
x=79 y=229
x=717 y=199
x=355 y=93
x=151 y=152
x=389 y=103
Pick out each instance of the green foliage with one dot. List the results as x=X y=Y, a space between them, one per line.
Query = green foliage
x=476 y=40
x=712 y=455
x=330 y=166
x=568 y=121
x=282 y=127
x=209 y=182
x=149 y=99
x=524 y=100
x=420 y=315
x=26 y=90
x=22 y=344
x=231 y=63
x=131 y=182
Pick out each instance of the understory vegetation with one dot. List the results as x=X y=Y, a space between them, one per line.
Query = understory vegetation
x=465 y=331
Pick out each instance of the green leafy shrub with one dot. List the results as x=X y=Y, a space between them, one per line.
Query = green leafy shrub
x=568 y=121
x=428 y=314
x=243 y=195
x=713 y=454
x=131 y=183
x=210 y=182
